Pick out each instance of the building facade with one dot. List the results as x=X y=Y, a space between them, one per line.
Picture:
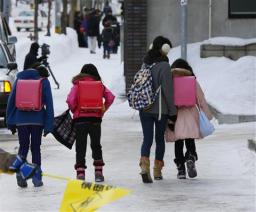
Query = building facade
x=206 y=18
x=145 y=19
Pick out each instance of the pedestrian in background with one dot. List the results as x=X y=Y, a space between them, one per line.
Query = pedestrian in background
x=107 y=39
x=107 y=8
x=93 y=31
x=32 y=57
x=80 y=30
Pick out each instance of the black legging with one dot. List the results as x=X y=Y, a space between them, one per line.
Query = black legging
x=191 y=149
x=82 y=131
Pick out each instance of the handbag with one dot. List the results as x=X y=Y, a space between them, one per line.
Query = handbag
x=111 y=43
x=63 y=129
x=205 y=126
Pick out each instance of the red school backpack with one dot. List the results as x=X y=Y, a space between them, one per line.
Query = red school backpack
x=90 y=96
x=29 y=95
x=184 y=91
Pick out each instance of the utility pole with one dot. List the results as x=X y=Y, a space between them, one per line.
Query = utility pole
x=57 y=17
x=36 y=21
x=64 y=15
x=184 y=31
x=210 y=18
x=72 y=12
x=49 y=18
x=5 y=7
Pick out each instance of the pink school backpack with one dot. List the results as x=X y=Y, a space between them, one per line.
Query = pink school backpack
x=184 y=91
x=29 y=95
x=90 y=96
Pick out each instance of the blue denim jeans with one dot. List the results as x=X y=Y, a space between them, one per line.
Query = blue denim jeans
x=149 y=122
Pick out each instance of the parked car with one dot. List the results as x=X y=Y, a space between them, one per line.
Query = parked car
x=25 y=20
x=7 y=37
x=8 y=72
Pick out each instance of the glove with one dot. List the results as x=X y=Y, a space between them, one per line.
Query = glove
x=171 y=125
x=172 y=118
x=45 y=133
x=13 y=129
x=44 y=57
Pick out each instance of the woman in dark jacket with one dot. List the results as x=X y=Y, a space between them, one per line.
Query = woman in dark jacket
x=107 y=38
x=30 y=125
x=93 y=23
x=157 y=115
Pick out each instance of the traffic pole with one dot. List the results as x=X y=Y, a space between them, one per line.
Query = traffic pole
x=184 y=25
x=57 y=17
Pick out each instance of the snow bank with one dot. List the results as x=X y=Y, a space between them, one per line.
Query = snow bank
x=228 y=85
x=231 y=41
x=61 y=45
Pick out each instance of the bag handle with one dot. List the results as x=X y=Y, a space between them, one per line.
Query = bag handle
x=64 y=116
x=198 y=106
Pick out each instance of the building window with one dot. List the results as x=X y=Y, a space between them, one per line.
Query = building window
x=242 y=9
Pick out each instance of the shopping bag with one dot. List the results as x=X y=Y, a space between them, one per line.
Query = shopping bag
x=205 y=126
x=63 y=130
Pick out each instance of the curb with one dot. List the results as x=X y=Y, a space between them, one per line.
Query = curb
x=231 y=118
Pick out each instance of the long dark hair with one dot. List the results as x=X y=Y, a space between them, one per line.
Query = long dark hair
x=181 y=63
x=91 y=70
x=154 y=54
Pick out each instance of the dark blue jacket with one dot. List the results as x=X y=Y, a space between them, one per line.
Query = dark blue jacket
x=44 y=117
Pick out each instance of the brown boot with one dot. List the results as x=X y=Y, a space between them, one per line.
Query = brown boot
x=158 y=169
x=145 y=170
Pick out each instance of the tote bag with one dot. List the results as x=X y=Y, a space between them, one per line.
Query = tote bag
x=63 y=130
x=205 y=126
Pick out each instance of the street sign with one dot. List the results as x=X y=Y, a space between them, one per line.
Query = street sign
x=183 y=2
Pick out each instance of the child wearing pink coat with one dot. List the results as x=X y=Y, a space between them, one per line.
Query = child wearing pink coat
x=88 y=123
x=186 y=128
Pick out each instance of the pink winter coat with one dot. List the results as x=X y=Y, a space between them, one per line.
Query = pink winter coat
x=72 y=99
x=187 y=123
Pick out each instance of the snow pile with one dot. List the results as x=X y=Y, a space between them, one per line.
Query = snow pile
x=231 y=41
x=228 y=85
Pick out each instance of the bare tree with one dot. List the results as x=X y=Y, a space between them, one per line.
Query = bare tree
x=49 y=18
x=64 y=19
x=72 y=13
x=36 y=21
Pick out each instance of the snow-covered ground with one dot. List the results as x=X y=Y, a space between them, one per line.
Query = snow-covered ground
x=226 y=168
x=225 y=182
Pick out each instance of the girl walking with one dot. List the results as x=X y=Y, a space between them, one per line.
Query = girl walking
x=186 y=128
x=155 y=118
x=88 y=121
x=31 y=124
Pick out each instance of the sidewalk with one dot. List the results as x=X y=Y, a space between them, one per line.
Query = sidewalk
x=225 y=182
